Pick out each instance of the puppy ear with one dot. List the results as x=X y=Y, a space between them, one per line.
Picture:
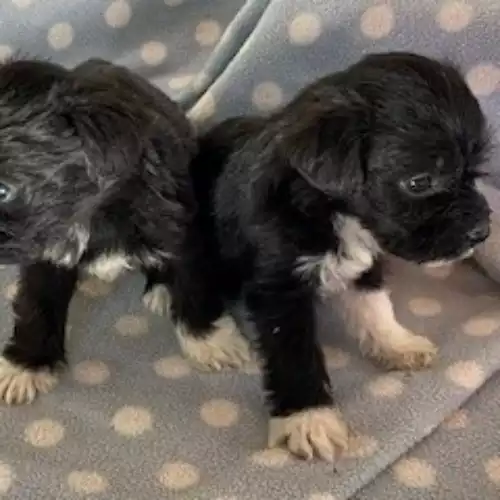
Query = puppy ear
x=326 y=143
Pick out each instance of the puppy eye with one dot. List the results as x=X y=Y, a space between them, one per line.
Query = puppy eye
x=419 y=185
x=6 y=192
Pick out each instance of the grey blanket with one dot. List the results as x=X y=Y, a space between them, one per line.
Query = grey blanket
x=130 y=419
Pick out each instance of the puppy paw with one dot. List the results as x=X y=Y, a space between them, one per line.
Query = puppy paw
x=221 y=348
x=414 y=353
x=158 y=300
x=318 y=432
x=19 y=385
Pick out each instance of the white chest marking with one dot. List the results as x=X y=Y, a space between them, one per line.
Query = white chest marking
x=356 y=254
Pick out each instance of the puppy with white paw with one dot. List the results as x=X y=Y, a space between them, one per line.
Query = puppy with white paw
x=94 y=176
x=378 y=159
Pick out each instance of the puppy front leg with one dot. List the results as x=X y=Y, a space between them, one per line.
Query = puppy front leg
x=303 y=417
x=381 y=336
x=36 y=347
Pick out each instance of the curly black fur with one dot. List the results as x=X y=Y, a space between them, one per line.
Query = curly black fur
x=93 y=164
x=315 y=194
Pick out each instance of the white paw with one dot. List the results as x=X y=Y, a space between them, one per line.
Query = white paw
x=158 y=300
x=19 y=385
x=318 y=432
x=224 y=347
x=411 y=352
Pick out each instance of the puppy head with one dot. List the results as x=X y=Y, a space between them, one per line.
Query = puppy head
x=68 y=141
x=400 y=140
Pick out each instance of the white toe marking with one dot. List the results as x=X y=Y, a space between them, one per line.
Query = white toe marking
x=223 y=347
x=19 y=385
x=108 y=267
x=318 y=432
x=158 y=300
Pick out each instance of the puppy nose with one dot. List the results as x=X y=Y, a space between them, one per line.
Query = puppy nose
x=479 y=233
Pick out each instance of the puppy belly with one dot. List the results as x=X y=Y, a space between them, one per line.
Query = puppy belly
x=158 y=300
x=221 y=348
x=381 y=336
x=19 y=385
x=318 y=432
x=109 y=266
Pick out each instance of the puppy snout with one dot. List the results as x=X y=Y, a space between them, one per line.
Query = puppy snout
x=479 y=232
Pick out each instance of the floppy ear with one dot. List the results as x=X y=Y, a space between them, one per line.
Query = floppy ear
x=327 y=142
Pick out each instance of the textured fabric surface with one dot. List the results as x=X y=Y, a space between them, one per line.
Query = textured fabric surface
x=130 y=419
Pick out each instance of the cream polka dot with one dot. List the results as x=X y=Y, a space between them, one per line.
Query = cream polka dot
x=220 y=413
x=132 y=421
x=178 y=476
x=304 y=29
x=361 y=447
x=172 y=367
x=22 y=4
x=321 y=496
x=385 y=386
x=44 y=433
x=482 y=326
x=87 y=482
x=6 y=477
x=154 y=53
x=94 y=287
x=267 y=96
x=424 y=306
x=204 y=109
x=414 y=473
x=377 y=21
x=173 y=3
x=492 y=468
x=439 y=272
x=454 y=16
x=118 y=14
x=132 y=326
x=483 y=79
x=466 y=374
x=457 y=420
x=336 y=358
x=5 y=52
x=91 y=372
x=275 y=458
x=208 y=32
x=11 y=290
x=180 y=82
x=60 y=36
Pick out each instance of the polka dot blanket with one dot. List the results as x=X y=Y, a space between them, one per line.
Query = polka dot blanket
x=131 y=419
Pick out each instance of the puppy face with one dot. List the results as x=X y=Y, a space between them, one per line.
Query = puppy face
x=68 y=140
x=401 y=140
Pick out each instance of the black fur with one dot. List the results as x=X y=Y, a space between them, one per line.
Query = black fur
x=94 y=161
x=271 y=190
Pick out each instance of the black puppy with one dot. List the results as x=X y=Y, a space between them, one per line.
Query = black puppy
x=380 y=158
x=94 y=175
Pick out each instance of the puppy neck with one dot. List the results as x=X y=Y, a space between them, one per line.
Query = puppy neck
x=355 y=254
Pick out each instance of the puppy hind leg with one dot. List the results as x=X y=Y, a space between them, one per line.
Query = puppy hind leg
x=208 y=335
x=157 y=296
x=371 y=314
